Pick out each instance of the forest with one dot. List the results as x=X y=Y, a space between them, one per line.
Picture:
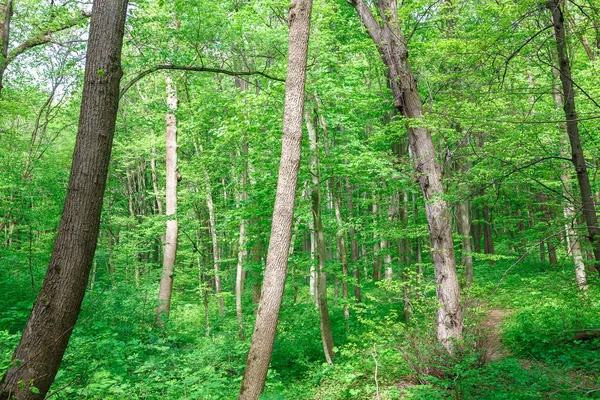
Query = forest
x=299 y=199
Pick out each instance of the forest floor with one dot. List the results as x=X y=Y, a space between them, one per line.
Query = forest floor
x=519 y=343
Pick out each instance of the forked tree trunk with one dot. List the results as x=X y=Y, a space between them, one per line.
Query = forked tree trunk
x=585 y=189
x=58 y=303
x=263 y=337
x=170 y=243
x=391 y=45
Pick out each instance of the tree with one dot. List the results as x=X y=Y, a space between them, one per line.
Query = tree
x=46 y=335
x=263 y=337
x=170 y=242
x=391 y=45
x=577 y=158
x=42 y=35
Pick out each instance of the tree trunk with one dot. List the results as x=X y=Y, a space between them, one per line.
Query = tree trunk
x=315 y=194
x=170 y=243
x=215 y=243
x=476 y=229
x=587 y=202
x=391 y=45
x=57 y=306
x=343 y=257
x=573 y=243
x=353 y=245
x=6 y=10
x=242 y=251
x=488 y=241
x=463 y=225
x=263 y=337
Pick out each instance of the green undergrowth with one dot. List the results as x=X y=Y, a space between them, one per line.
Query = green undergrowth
x=116 y=352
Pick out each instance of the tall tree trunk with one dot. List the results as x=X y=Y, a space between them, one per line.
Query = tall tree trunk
x=170 y=243
x=58 y=303
x=159 y=206
x=215 y=243
x=353 y=244
x=463 y=225
x=263 y=337
x=573 y=243
x=315 y=195
x=6 y=10
x=488 y=240
x=587 y=202
x=242 y=250
x=343 y=257
x=391 y=45
x=476 y=229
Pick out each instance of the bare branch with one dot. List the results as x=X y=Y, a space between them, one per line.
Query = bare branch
x=194 y=69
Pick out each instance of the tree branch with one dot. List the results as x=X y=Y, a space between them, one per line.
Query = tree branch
x=43 y=37
x=193 y=69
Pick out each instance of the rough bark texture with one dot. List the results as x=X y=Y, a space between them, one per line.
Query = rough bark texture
x=263 y=337
x=573 y=243
x=392 y=48
x=587 y=202
x=57 y=306
x=5 y=15
x=170 y=244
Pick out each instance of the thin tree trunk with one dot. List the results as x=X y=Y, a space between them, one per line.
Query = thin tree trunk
x=464 y=230
x=263 y=337
x=587 y=202
x=170 y=243
x=391 y=45
x=343 y=258
x=215 y=243
x=242 y=251
x=58 y=303
x=159 y=206
x=353 y=245
x=315 y=194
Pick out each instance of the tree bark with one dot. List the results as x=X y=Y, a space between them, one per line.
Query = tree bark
x=57 y=306
x=242 y=250
x=572 y=236
x=353 y=245
x=263 y=337
x=391 y=45
x=463 y=225
x=6 y=11
x=170 y=243
x=343 y=257
x=315 y=195
x=587 y=202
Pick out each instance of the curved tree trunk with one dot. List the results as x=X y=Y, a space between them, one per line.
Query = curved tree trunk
x=6 y=10
x=170 y=244
x=391 y=45
x=263 y=337
x=57 y=306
